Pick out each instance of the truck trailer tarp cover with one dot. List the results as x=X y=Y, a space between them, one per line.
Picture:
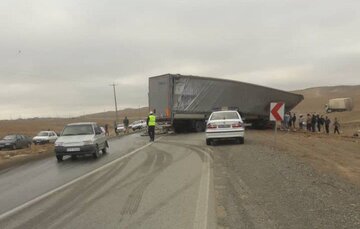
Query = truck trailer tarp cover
x=191 y=94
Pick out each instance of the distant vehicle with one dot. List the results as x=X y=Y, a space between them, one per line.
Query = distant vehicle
x=15 y=141
x=120 y=128
x=225 y=125
x=81 y=139
x=138 y=125
x=339 y=104
x=45 y=137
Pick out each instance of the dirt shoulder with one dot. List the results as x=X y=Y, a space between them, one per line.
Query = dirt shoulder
x=10 y=158
x=339 y=155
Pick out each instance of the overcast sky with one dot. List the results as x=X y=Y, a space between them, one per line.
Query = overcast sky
x=57 y=58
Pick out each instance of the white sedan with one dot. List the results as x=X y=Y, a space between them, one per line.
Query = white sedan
x=45 y=137
x=225 y=125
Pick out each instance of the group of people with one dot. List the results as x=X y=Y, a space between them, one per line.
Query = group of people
x=310 y=122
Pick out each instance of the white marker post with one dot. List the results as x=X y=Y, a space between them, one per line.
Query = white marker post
x=276 y=114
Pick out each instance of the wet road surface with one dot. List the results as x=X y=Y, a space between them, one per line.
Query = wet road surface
x=137 y=185
x=177 y=182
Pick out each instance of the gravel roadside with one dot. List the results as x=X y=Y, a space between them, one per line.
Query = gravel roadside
x=256 y=187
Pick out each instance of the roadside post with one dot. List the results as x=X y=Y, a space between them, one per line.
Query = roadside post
x=276 y=114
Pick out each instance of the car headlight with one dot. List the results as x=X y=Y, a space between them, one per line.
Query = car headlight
x=88 y=142
x=59 y=143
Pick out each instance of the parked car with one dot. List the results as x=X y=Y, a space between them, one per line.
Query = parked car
x=81 y=139
x=225 y=125
x=120 y=128
x=138 y=125
x=15 y=141
x=45 y=137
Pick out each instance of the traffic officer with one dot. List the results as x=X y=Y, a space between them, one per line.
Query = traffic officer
x=151 y=121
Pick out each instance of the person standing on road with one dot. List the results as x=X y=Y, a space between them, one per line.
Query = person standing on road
x=301 y=120
x=287 y=120
x=336 y=126
x=126 y=124
x=308 y=122
x=327 y=124
x=322 y=122
x=151 y=122
x=106 y=130
x=293 y=119
x=313 y=123
x=318 y=122
x=115 y=128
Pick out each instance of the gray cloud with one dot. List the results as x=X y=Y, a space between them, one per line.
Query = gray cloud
x=70 y=51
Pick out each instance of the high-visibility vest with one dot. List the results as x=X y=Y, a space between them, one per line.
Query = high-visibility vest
x=152 y=120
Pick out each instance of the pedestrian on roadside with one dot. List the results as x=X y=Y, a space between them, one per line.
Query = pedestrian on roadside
x=322 y=122
x=115 y=128
x=287 y=120
x=106 y=129
x=313 y=123
x=318 y=122
x=308 y=122
x=293 y=120
x=301 y=120
x=126 y=124
x=336 y=126
x=327 y=124
x=151 y=122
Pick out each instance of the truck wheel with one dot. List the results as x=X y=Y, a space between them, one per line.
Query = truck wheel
x=59 y=158
x=199 y=126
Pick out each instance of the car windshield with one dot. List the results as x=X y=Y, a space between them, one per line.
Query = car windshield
x=77 y=130
x=43 y=133
x=224 y=115
x=10 y=137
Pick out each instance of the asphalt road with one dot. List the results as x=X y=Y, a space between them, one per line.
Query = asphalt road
x=177 y=182
x=136 y=185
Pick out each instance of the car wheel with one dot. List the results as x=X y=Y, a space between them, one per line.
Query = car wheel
x=14 y=147
x=208 y=142
x=59 y=158
x=73 y=157
x=240 y=140
x=104 y=150
x=96 y=154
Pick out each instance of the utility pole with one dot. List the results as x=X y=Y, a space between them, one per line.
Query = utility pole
x=116 y=110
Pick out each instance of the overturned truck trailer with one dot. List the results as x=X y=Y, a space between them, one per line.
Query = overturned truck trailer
x=185 y=102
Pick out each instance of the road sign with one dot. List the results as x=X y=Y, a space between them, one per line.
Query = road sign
x=277 y=111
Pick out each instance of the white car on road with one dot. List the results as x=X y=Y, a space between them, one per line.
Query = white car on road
x=45 y=137
x=138 y=125
x=80 y=139
x=225 y=125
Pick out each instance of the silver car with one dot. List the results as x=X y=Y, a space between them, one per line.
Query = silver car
x=80 y=139
x=225 y=125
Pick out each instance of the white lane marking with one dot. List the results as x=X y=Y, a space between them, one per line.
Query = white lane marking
x=43 y=196
x=202 y=203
